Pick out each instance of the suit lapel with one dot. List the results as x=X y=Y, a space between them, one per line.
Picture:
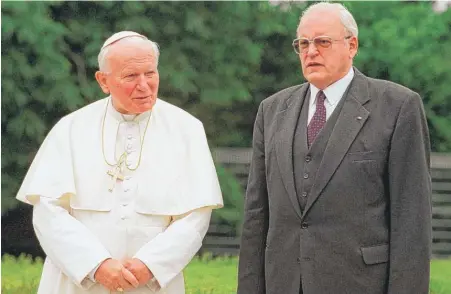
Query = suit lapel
x=351 y=119
x=287 y=120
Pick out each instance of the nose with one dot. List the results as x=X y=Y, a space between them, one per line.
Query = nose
x=312 y=50
x=142 y=83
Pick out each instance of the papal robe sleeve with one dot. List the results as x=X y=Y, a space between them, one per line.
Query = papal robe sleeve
x=168 y=253
x=48 y=186
x=67 y=242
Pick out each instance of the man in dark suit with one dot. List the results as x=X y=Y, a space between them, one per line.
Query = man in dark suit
x=338 y=198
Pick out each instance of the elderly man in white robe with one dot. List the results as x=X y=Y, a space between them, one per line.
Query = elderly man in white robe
x=123 y=188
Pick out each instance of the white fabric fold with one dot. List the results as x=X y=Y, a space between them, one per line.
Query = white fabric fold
x=167 y=254
x=66 y=241
x=79 y=223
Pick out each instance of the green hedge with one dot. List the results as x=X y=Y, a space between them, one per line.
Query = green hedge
x=203 y=275
x=233 y=195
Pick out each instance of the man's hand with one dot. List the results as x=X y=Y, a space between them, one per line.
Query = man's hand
x=113 y=275
x=139 y=270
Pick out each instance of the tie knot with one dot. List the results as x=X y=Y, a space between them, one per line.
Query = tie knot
x=320 y=97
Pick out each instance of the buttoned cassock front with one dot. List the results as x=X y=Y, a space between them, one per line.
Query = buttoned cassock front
x=158 y=213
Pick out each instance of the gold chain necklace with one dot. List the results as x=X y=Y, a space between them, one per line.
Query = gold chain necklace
x=123 y=157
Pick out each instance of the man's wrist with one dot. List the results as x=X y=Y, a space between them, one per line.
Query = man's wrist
x=93 y=272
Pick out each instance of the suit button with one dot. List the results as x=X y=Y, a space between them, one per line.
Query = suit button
x=298 y=260
x=305 y=176
x=308 y=158
x=304 y=225
x=304 y=194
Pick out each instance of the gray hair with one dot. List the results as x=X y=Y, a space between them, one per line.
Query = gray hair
x=346 y=17
x=103 y=54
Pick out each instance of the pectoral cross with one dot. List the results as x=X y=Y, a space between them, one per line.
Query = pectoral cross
x=115 y=173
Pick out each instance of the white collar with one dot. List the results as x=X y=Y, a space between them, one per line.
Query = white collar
x=333 y=92
x=120 y=117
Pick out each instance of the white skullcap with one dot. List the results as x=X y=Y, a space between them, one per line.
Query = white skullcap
x=121 y=35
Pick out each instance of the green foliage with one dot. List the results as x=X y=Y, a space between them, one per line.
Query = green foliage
x=218 y=61
x=203 y=275
x=409 y=45
x=20 y=275
x=35 y=81
x=233 y=196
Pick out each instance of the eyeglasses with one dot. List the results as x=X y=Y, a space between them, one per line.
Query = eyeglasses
x=302 y=44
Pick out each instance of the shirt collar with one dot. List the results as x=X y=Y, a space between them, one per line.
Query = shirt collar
x=120 y=117
x=334 y=92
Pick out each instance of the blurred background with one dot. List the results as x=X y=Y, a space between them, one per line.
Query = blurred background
x=218 y=61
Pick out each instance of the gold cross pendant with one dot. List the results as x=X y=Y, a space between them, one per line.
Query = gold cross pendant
x=116 y=175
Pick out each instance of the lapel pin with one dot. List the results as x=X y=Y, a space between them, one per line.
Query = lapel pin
x=359 y=118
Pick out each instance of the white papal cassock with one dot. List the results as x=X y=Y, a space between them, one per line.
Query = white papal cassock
x=158 y=213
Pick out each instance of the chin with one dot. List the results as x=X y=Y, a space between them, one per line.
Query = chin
x=139 y=110
x=144 y=107
x=314 y=77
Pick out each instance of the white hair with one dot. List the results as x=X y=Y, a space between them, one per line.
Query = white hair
x=103 y=54
x=346 y=17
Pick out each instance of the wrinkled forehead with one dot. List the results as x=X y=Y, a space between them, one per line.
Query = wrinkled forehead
x=320 y=22
x=134 y=52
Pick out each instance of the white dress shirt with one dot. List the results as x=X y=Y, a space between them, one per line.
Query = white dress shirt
x=333 y=93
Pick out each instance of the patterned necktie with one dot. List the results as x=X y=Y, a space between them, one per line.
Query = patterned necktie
x=318 y=120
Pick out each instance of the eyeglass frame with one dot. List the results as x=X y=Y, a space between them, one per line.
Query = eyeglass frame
x=310 y=41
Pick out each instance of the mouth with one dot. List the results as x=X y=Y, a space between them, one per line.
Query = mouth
x=313 y=64
x=142 y=98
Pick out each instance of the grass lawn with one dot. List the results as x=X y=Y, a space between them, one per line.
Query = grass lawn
x=206 y=276
x=441 y=276
x=203 y=276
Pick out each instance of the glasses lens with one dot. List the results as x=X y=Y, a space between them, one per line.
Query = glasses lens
x=296 y=45
x=303 y=43
x=323 y=42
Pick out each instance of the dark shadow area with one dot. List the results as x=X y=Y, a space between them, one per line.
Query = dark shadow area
x=17 y=233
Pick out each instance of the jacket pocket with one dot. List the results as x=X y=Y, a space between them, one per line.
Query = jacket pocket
x=365 y=156
x=375 y=254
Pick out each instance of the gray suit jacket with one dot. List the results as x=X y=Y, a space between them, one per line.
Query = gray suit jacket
x=366 y=227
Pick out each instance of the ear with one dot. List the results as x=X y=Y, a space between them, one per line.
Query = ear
x=353 y=46
x=101 y=78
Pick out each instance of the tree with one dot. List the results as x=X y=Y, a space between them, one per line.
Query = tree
x=218 y=61
x=37 y=87
x=209 y=57
x=409 y=45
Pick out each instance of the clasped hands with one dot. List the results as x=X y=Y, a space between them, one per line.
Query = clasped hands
x=120 y=276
